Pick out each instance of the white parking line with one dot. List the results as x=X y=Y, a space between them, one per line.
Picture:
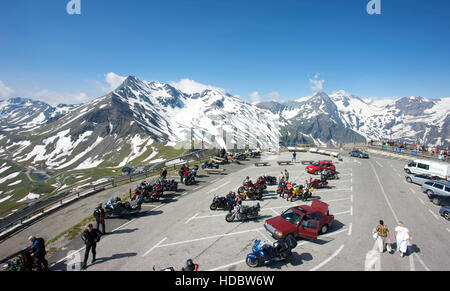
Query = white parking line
x=421 y=201
x=300 y=244
x=187 y=221
x=124 y=224
x=411 y=263
x=334 y=190
x=350 y=229
x=329 y=259
x=379 y=164
x=435 y=216
x=217 y=188
x=420 y=261
x=157 y=245
x=209 y=237
x=195 y=189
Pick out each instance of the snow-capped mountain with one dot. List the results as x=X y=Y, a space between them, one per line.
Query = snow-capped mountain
x=312 y=120
x=21 y=114
x=411 y=118
x=129 y=125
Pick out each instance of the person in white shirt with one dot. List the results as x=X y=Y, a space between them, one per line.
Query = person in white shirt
x=402 y=236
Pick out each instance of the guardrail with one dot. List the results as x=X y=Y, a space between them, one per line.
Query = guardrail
x=23 y=217
x=408 y=153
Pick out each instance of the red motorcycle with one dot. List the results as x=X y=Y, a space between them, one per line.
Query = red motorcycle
x=317 y=184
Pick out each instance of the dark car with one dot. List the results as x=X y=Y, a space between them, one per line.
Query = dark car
x=439 y=199
x=301 y=221
x=445 y=212
x=359 y=154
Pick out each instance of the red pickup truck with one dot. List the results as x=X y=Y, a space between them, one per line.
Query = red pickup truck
x=317 y=167
x=301 y=221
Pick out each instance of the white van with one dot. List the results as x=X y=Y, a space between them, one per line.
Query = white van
x=431 y=168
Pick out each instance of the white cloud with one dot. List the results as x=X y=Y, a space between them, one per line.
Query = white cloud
x=256 y=98
x=316 y=85
x=114 y=80
x=5 y=92
x=274 y=96
x=191 y=87
x=54 y=98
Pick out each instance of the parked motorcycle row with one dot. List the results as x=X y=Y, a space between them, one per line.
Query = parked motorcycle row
x=265 y=252
x=146 y=192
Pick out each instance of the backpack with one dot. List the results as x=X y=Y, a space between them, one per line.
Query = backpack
x=40 y=244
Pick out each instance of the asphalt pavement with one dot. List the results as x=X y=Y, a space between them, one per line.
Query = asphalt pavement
x=368 y=190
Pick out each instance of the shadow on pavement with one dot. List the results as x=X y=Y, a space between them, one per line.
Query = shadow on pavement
x=120 y=231
x=295 y=260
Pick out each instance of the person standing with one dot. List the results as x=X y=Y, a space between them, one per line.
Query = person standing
x=164 y=173
x=286 y=175
x=99 y=215
x=383 y=237
x=182 y=169
x=90 y=237
x=281 y=178
x=294 y=157
x=38 y=252
x=402 y=236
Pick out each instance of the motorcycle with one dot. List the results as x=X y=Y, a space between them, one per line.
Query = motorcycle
x=264 y=253
x=261 y=183
x=189 y=268
x=332 y=175
x=270 y=180
x=243 y=212
x=316 y=183
x=297 y=192
x=247 y=184
x=169 y=185
x=284 y=188
x=307 y=192
x=222 y=203
x=189 y=177
x=195 y=170
x=252 y=193
x=210 y=165
x=115 y=206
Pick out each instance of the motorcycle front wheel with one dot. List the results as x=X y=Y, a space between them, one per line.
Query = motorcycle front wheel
x=252 y=263
x=229 y=217
x=213 y=206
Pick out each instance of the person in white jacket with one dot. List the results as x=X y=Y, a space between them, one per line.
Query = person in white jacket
x=402 y=236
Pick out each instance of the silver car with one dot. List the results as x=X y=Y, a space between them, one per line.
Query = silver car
x=418 y=178
x=436 y=187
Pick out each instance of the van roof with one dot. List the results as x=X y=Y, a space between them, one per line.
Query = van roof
x=432 y=162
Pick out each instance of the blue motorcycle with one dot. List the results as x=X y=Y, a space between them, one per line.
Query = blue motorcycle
x=264 y=253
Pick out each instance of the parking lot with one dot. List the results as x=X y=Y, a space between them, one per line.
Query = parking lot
x=368 y=190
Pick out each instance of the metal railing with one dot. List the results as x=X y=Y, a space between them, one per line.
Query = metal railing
x=408 y=153
x=12 y=223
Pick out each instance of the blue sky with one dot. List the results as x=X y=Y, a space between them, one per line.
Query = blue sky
x=273 y=48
